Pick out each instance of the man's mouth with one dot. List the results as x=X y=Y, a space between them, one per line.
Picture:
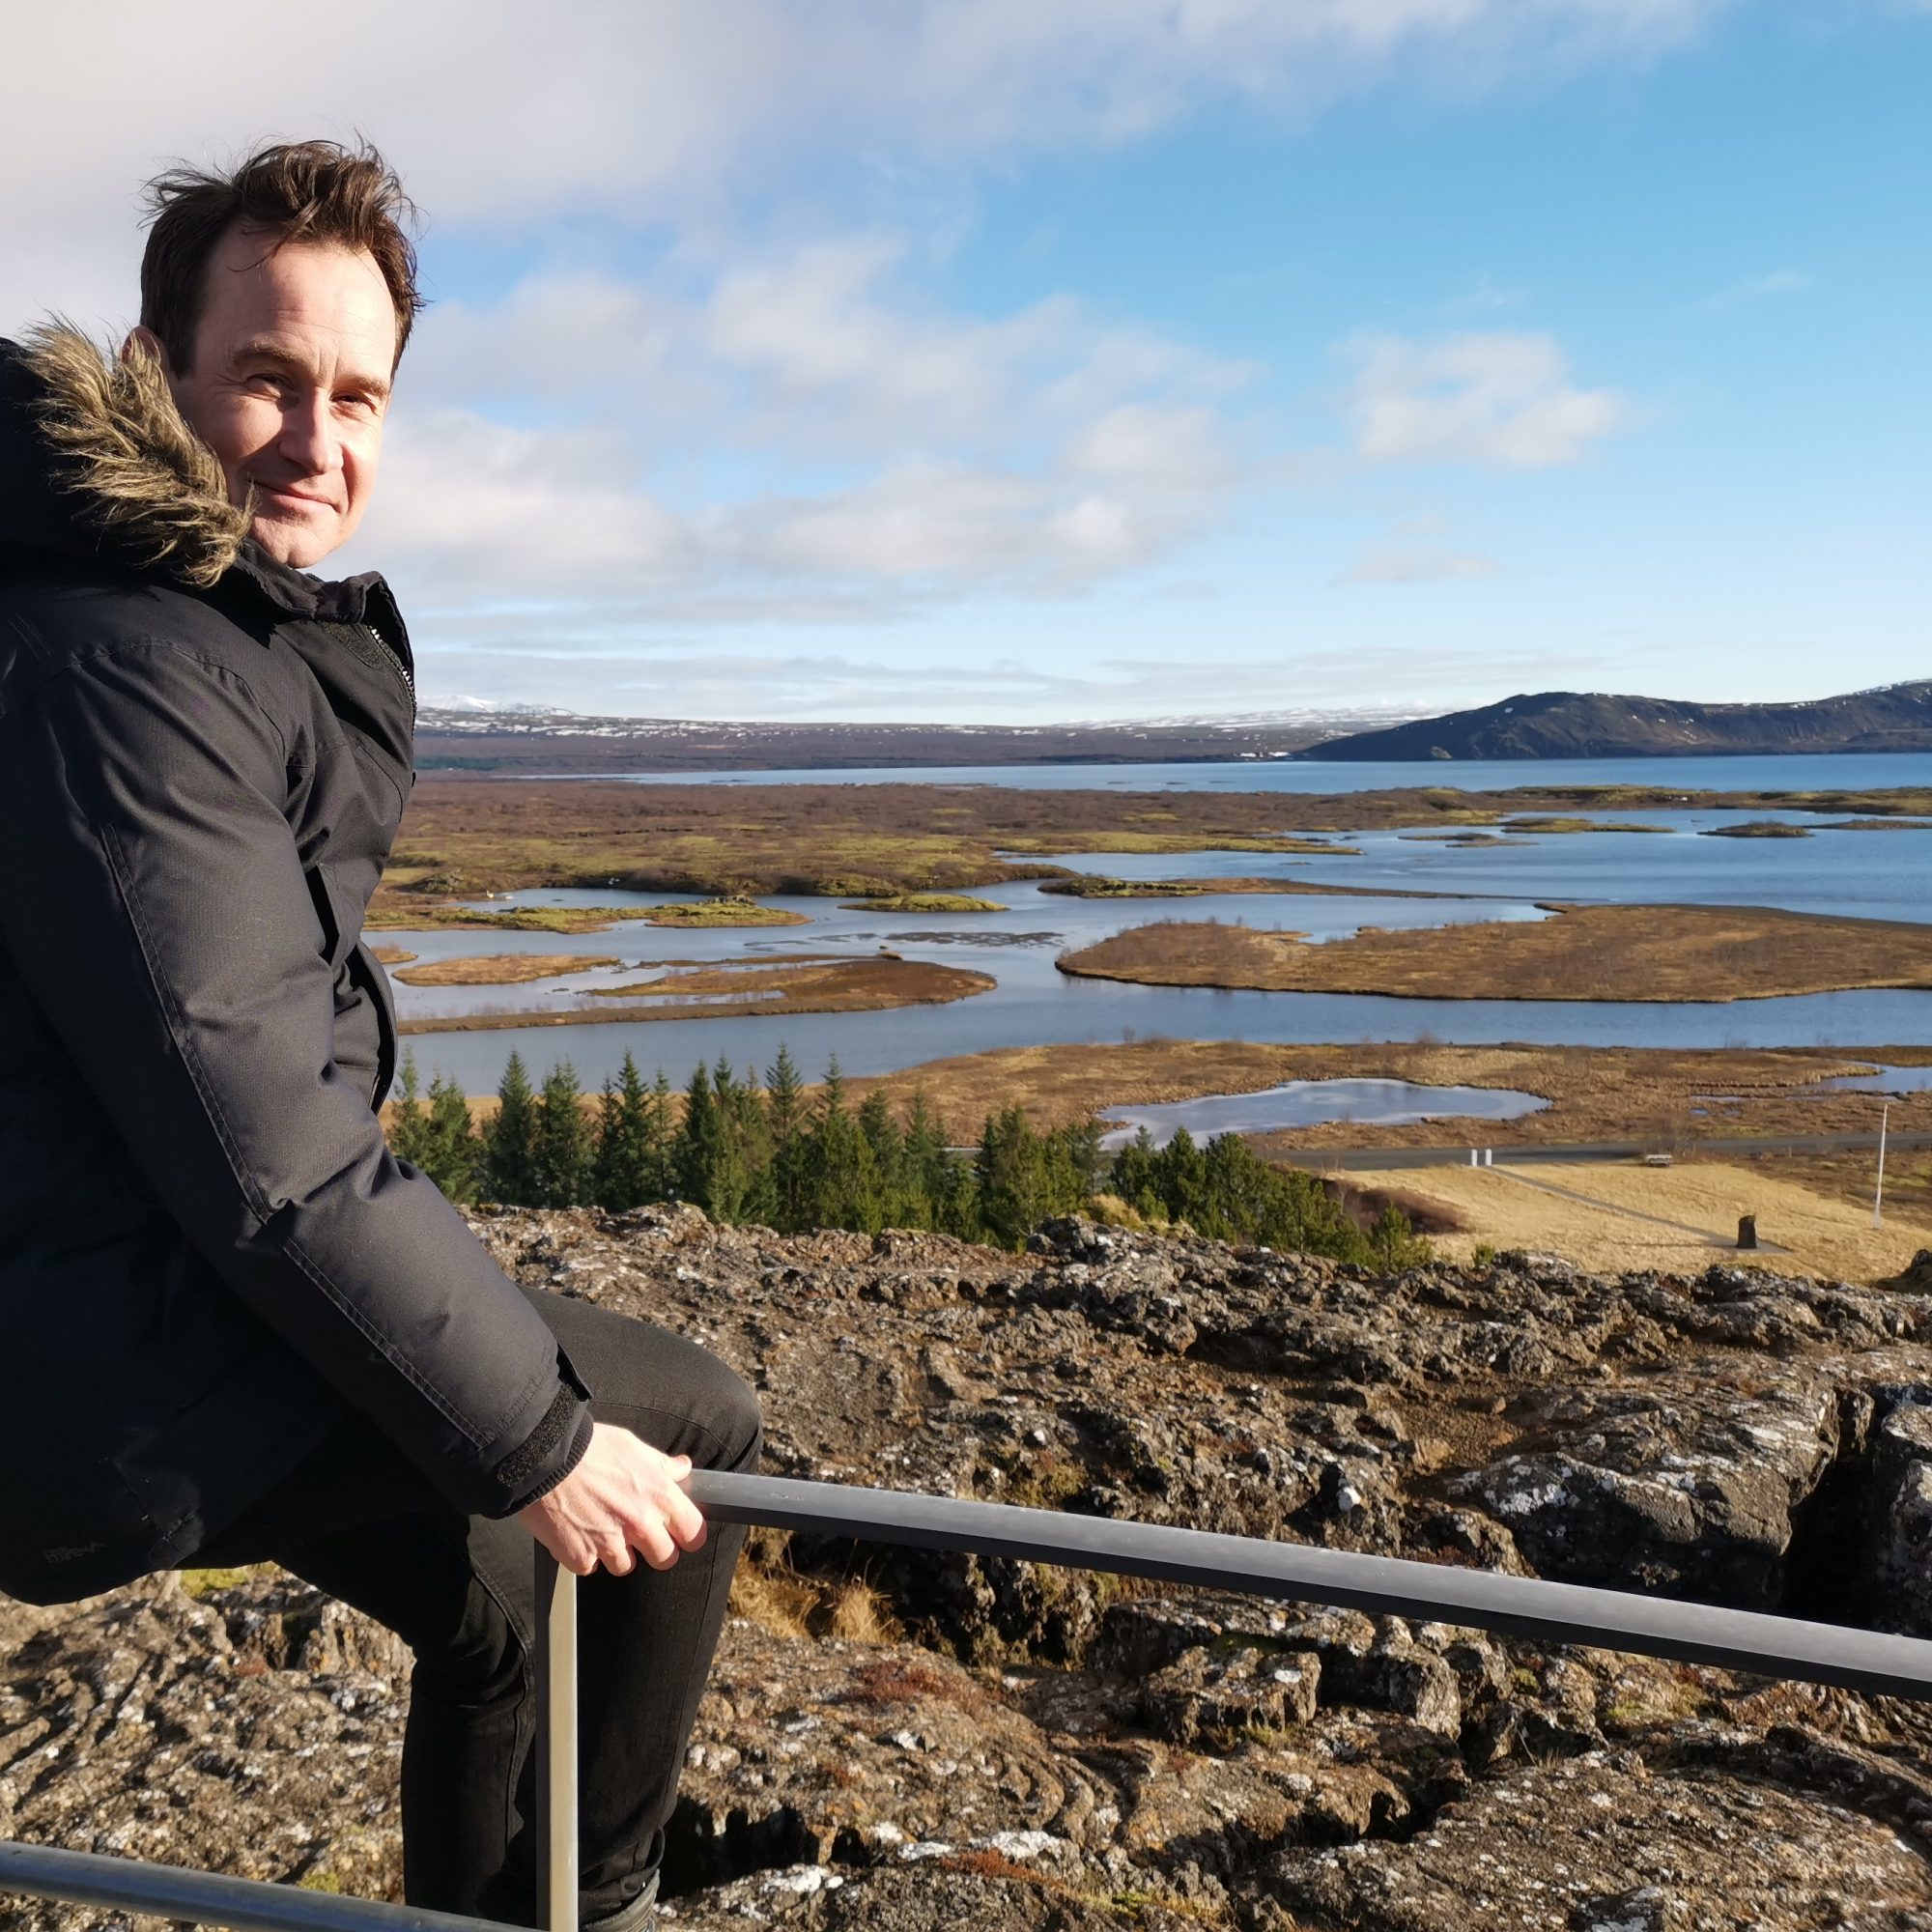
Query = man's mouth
x=285 y=493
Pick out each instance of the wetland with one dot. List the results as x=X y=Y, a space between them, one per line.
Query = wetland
x=1001 y=874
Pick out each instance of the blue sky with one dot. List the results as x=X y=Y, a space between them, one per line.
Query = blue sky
x=1101 y=357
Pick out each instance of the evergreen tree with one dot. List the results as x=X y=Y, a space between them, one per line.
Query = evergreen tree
x=695 y=1136
x=841 y=1184
x=710 y=1159
x=1012 y=1174
x=508 y=1171
x=662 y=1134
x=408 y=1132
x=788 y=1182
x=886 y=1145
x=452 y=1154
x=934 y=1185
x=1393 y=1243
x=1181 y=1179
x=628 y=1165
x=1237 y=1190
x=1071 y=1167
x=561 y=1148
x=752 y=1136
x=785 y=1098
x=1136 y=1177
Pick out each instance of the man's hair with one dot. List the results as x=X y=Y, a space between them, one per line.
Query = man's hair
x=316 y=191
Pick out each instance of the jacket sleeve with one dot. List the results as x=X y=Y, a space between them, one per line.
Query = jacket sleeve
x=154 y=899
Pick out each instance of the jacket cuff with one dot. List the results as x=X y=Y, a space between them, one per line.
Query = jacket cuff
x=550 y=1451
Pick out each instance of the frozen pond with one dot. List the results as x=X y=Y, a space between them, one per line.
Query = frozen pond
x=1887 y=1080
x=1307 y=1103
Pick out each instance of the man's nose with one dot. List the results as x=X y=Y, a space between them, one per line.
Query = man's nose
x=308 y=441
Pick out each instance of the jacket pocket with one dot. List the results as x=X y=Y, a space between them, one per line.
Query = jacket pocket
x=337 y=910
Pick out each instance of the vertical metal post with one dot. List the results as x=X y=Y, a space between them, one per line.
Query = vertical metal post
x=556 y=1743
x=1878 y=1198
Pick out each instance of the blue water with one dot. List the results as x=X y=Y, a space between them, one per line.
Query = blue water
x=1822 y=772
x=1866 y=875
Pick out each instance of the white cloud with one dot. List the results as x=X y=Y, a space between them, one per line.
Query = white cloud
x=1759 y=288
x=665 y=422
x=1417 y=565
x=1501 y=398
x=798 y=426
x=656 y=110
x=984 y=686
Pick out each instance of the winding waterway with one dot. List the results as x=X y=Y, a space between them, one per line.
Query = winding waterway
x=1881 y=874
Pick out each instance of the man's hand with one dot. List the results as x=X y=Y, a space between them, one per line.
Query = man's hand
x=622 y=1496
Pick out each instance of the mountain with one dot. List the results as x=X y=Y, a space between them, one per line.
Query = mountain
x=471 y=735
x=1595 y=724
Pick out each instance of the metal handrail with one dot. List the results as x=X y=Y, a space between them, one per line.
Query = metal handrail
x=207 y=1898
x=1773 y=1646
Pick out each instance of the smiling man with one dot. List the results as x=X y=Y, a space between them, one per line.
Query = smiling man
x=235 y=1327
x=286 y=379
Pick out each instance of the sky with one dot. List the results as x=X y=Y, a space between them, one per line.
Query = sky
x=1043 y=360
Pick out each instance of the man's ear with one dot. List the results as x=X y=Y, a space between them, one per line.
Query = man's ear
x=141 y=337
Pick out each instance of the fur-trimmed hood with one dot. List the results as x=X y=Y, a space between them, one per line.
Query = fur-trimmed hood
x=96 y=462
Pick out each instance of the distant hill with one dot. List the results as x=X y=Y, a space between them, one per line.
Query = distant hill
x=1595 y=724
x=527 y=739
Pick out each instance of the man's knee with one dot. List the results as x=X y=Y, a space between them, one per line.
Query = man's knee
x=731 y=1415
x=671 y=1389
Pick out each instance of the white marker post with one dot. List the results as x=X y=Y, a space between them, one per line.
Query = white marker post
x=1878 y=1196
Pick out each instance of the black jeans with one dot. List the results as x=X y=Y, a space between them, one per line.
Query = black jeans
x=357 y=1519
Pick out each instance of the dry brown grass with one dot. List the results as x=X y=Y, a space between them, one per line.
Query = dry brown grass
x=498 y=969
x=394 y=910
x=1679 y=1219
x=845 y=986
x=392 y=955
x=767 y=1591
x=1585 y=952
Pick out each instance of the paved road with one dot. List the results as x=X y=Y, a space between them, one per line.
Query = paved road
x=1532 y=1152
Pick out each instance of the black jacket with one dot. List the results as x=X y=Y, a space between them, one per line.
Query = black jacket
x=206 y=1250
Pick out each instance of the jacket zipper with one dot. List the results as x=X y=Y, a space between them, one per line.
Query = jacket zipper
x=402 y=669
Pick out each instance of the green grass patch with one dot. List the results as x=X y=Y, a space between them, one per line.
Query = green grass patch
x=924 y=902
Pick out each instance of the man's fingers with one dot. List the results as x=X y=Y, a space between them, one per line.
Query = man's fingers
x=647 y=1536
x=614 y=1553
x=684 y=1521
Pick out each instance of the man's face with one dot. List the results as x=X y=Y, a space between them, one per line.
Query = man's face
x=289 y=384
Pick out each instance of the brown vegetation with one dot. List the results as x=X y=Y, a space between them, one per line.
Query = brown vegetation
x=1608 y=1216
x=394 y=909
x=498 y=969
x=805 y=986
x=1585 y=953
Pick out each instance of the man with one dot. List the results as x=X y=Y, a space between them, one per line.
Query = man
x=234 y=1326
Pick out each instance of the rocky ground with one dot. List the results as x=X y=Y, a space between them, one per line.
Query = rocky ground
x=904 y=1742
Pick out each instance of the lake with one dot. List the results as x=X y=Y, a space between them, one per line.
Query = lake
x=1819 y=772
x=1868 y=874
